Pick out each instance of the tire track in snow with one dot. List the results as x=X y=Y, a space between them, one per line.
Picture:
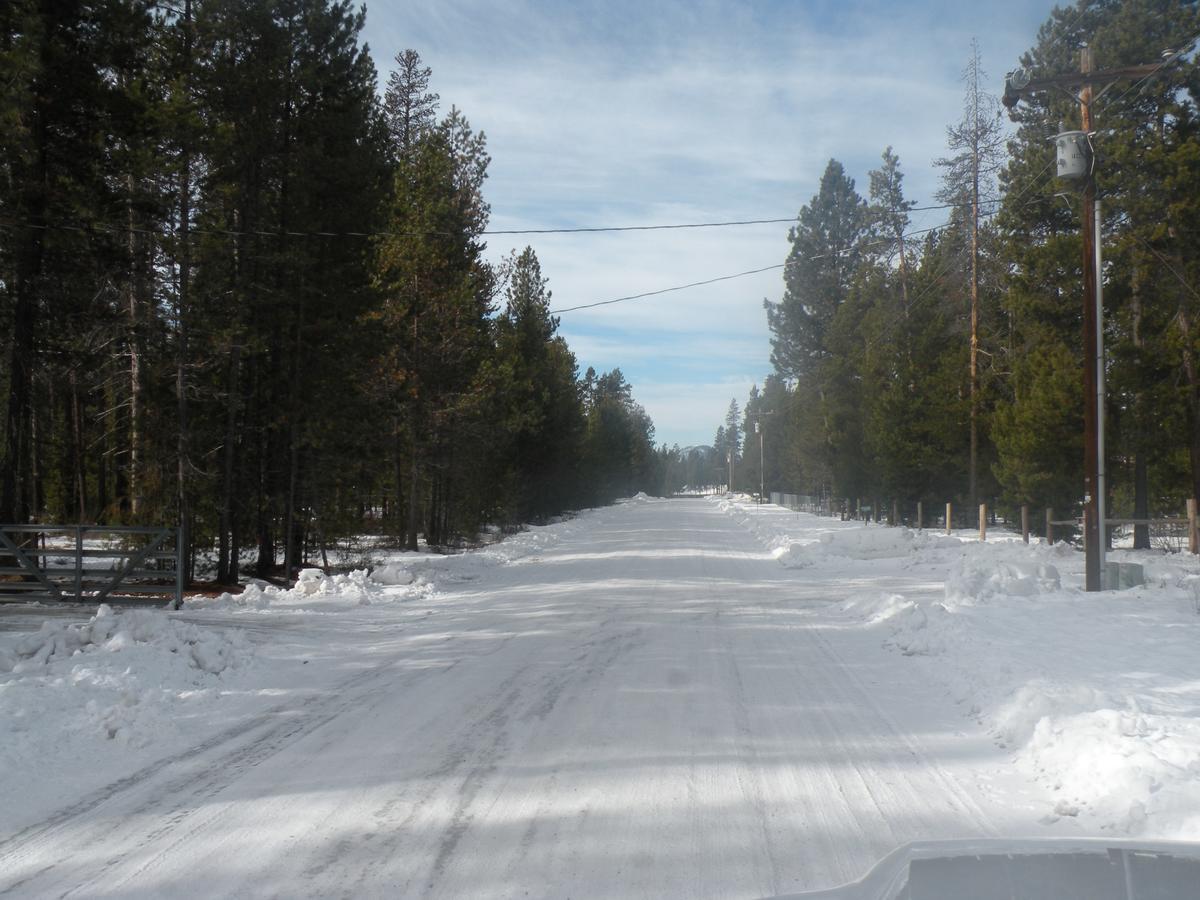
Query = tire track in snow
x=603 y=653
x=409 y=821
x=958 y=797
x=175 y=788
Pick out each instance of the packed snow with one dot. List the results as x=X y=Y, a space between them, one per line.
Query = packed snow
x=1096 y=695
x=700 y=697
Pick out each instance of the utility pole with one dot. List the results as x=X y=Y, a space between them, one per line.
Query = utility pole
x=761 y=474
x=1017 y=85
x=1091 y=322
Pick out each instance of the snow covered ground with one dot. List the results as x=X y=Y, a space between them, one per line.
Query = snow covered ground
x=693 y=697
x=1097 y=696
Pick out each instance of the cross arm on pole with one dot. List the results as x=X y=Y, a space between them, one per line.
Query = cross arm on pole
x=1015 y=92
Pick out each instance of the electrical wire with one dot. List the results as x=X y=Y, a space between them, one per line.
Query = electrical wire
x=681 y=287
x=1140 y=84
x=678 y=287
x=85 y=226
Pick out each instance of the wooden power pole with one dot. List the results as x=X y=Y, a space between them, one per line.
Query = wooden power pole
x=1017 y=85
x=1091 y=401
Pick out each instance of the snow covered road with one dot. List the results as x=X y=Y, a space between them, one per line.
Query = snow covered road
x=651 y=706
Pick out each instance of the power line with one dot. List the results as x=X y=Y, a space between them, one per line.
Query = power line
x=83 y=226
x=681 y=287
x=583 y=229
x=678 y=287
x=1139 y=85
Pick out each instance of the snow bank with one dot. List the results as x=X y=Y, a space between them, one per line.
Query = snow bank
x=399 y=577
x=1097 y=695
x=71 y=691
x=799 y=540
x=984 y=571
x=865 y=542
x=145 y=633
x=314 y=591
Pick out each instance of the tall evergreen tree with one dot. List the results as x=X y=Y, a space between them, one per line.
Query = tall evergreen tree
x=977 y=144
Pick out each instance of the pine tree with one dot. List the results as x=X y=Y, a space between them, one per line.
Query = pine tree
x=809 y=342
x=437 y=291
x=825 y=252
x=410 y=108
x=888 y=214
x=1142 y=137
x=542 y=413
x=977 y=143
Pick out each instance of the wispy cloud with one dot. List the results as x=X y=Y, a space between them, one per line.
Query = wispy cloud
x=633 y=113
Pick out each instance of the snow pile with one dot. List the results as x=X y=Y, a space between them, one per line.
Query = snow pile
x=800 y=540
x=865 y=542
x=392 y=574
x=923 y=630
x=122 y=678
x=982 y=572
x=915 y=629
x=130 y=633
x=1096 y=695
x=1132 y=771
x=314 y=590
x=399 y=577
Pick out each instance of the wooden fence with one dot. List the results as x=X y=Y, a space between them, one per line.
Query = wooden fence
x=1185 y=528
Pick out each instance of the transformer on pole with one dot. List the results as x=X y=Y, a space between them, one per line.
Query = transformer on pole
x=1077 y=165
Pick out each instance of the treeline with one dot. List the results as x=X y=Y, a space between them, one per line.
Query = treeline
x=241 y=291
x=884 y=387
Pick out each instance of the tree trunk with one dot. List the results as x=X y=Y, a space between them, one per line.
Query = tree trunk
x=1141 y=480
x=14 y=456
x=396 y=513
x=133 y=303
x=78 y=478
x=183 y=437
x=36 y=494
x=227 y=546
x=414 y=505
x=264 y=566
x=973 y=474
x=290 y=520
x=1193 y=396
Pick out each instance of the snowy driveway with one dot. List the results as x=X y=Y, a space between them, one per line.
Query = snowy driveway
x=651 y=707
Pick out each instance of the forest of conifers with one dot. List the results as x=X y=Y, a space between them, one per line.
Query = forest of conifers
x=872 y=394
x=243 y=291
x=243 y=287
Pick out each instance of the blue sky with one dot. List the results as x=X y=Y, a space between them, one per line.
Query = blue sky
x=624 y=113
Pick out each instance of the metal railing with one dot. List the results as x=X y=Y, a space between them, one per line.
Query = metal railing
x=90 y=563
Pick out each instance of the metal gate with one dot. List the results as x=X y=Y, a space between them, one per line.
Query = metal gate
x=90 y=563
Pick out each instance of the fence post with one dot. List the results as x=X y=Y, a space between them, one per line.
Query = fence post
x=1193 y=538
x=983 y=521
x=1025 y=524
x=1049 y=525
x=78 y=562
x=920 y=517
x=180 y=548
x=949 y=517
